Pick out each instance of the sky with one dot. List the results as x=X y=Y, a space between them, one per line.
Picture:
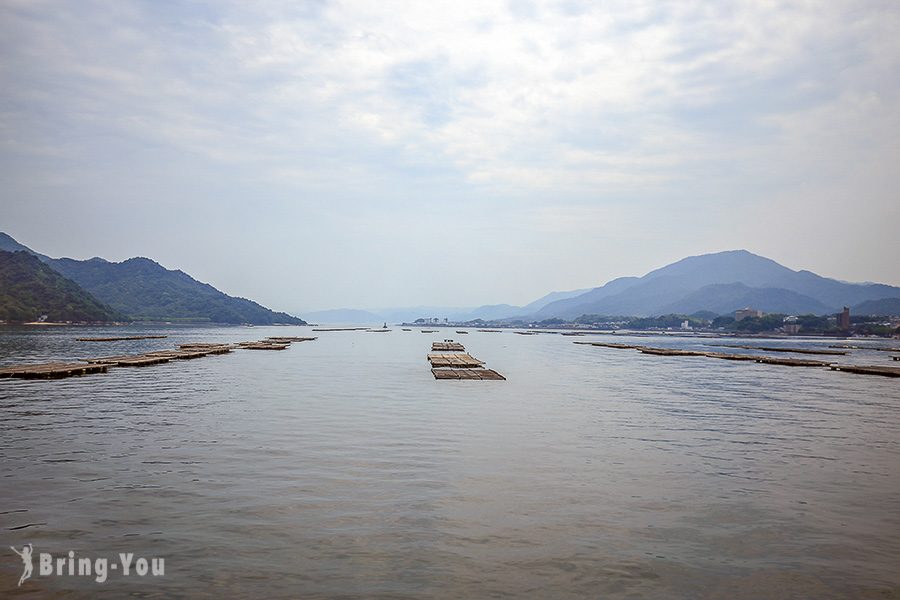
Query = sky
x=314 y=155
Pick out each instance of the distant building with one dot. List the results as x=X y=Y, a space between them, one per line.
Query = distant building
x=685 y=325
x=790 y=325
x=843 y=319
x=740 y=315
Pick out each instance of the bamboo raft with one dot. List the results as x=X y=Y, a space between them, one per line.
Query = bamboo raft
x=472 y=374
x=790 y=362
x=87 y=366
x=868 y=370
x=612 y=345
x=52 y=370
x=671 y=352
x=876 y=348
x=121 y=339
x=782 y=349
x=726 y=356
x=263 y=345
x=766 y=360
x=447 y=347
x=455 y=360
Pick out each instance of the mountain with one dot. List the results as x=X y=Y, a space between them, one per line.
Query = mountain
x=882 y=307
x=724 y=298
x=564 y=306
x=145 y=290
x=9 y=244
x=551 y=297
x=695 y=283
x=30 y=289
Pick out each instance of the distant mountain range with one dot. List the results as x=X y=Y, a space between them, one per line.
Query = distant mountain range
x=141 y=289
x=718 y=283
x=722 y=283
x=29 y=290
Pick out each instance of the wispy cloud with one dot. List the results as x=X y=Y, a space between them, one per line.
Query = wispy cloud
x=664 y=106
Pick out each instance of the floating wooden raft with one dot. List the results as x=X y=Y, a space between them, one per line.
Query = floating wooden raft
x=463 y=332
x=429 y=330
x=341 y=329
x=876 y=348
x=279 y=340
x=525 y=332
x=459 y=374
x=783 y=349
x=447 y=347
x=52 y=370
x=726 y=356
x=611 y=345
x=120 y=339
x=456 y=360
x=571 y=333
x=671 y=352
x=490 y=330
x=790 y=362
x=404 y=329
x=379 y=330
x=868 y=370
x=203 y=346
x=263 y=345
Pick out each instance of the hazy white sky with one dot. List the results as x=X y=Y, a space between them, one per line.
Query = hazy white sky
x=320 y=154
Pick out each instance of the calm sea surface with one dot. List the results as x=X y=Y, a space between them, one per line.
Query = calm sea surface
x=340 y=468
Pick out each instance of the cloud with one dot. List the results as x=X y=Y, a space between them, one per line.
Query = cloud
x=554 y=108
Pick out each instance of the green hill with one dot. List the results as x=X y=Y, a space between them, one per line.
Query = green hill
x=30 y=289
x=142 y=289
x=145 y=290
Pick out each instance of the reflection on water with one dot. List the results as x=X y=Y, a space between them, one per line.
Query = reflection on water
x=340 y=468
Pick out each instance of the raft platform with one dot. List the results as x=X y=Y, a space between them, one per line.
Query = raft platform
x=868 y=370
x=87 y=366
x=460 y=374
x=52 y=370
x=782 y=349
x=447 y=347
x=455 y=360
x=121 y=339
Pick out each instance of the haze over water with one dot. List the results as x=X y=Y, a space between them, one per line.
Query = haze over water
x=341 y=468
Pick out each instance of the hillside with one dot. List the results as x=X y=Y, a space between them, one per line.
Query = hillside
x=30 y=289
x=725 y=298
x=145 y=290
x=882 y=307
x=142 y=289
x=696 y=282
